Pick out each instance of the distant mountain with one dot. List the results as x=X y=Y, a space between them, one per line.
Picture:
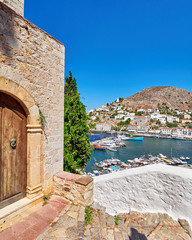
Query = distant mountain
x=149 y=98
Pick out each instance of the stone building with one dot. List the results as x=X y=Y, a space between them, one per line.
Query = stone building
x=31 y=87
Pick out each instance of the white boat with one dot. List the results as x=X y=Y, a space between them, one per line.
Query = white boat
x=162 y=156
x=123 y=137
x=91 y=174
x=182 y=158
x=187 y=158
x=112 y=149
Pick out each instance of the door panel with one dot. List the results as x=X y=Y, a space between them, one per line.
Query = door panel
x=13 y=163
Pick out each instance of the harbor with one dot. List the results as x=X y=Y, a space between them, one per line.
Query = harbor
x=114 y=165
x=136 y=153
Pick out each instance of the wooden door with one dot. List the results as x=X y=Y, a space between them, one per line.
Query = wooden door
x=13 y=150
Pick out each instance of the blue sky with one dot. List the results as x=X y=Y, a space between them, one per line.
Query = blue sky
x=116 y=48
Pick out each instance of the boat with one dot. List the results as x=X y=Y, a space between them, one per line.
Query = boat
x=182 y=158
x=91 y=174
x=135 y=138
x=99 y=147
x=178 y=138
x=112 y=149
x=166 y=160
x=122 y=137
x=162 y=156
x=187 y=158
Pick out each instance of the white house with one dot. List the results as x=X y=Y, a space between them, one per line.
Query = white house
x=120 y=116
x=119 y=108
x=93 y=118
x=186 y=116
x=140 y=120
x=103 y=127
x=180 y=131
x=137 y=128
x=121 y=111
x=132 y=114
x=166 y=131
x=172 y=119
x=149 y=110
x=185 y=120
x=154 y=131
x=157 y=116
x=140 y=110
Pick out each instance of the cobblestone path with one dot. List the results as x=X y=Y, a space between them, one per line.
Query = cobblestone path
x=133 y=226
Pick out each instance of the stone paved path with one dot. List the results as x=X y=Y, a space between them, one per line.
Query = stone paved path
x=134 y=226
x=34 y=224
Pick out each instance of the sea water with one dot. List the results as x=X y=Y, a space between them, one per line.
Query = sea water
x=133 y=149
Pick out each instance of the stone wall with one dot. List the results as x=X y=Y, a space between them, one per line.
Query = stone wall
x=16 y=5
x=74 y=188
x=34 y=61
x=154 y=188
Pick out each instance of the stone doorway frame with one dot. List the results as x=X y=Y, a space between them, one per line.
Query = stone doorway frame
x=34 y=136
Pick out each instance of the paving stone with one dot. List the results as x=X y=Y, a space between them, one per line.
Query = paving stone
x=81 y=229
x=72 y=214
x=118 y=236
x=72 y=232
x=125 y=236
x=87 y=232
x=102 y=218
x=121 y=225
x=104 y=233
x=110 y=221
x=134 y=226
x=110 y=234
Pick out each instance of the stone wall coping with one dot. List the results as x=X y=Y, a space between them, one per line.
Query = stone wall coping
x=72 y=177
x=68 y=176
x=84 y=180
x=7 y=8
x=159 y=168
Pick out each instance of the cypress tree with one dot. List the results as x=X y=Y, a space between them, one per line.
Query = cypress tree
x=77 y=149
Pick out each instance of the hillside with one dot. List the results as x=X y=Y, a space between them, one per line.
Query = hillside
x=149 y=98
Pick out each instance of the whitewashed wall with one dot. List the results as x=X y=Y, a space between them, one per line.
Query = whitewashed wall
x=154 y=188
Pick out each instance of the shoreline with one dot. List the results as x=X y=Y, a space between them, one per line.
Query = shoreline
x=185 y=138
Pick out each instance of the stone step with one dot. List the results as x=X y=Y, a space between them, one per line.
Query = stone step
x=34 y=224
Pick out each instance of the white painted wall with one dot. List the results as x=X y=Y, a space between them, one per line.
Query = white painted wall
x=153 y=188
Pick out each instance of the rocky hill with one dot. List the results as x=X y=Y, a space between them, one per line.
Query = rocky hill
x=149 y=98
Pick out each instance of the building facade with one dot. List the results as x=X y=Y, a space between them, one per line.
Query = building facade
x=31 y=104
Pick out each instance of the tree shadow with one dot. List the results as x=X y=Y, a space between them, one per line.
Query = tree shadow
x=8 y=42
x=135 y=235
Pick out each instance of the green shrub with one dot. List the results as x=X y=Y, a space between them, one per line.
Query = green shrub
x=117 y=218
x=89 y=215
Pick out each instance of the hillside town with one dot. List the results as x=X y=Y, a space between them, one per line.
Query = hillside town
x=162 y=121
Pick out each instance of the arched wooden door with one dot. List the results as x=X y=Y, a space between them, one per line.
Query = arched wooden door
x=13 y=150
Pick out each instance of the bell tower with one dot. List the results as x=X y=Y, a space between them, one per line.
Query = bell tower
x=16 y=5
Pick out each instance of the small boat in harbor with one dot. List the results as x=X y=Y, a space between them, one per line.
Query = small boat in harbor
x=162 y=156
x=112 y=149
x=122 y=137
x=135 y=138
x=99 y=147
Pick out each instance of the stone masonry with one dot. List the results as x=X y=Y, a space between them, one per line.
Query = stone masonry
x=76 y=189
x=34 y=61
x=16 y=5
